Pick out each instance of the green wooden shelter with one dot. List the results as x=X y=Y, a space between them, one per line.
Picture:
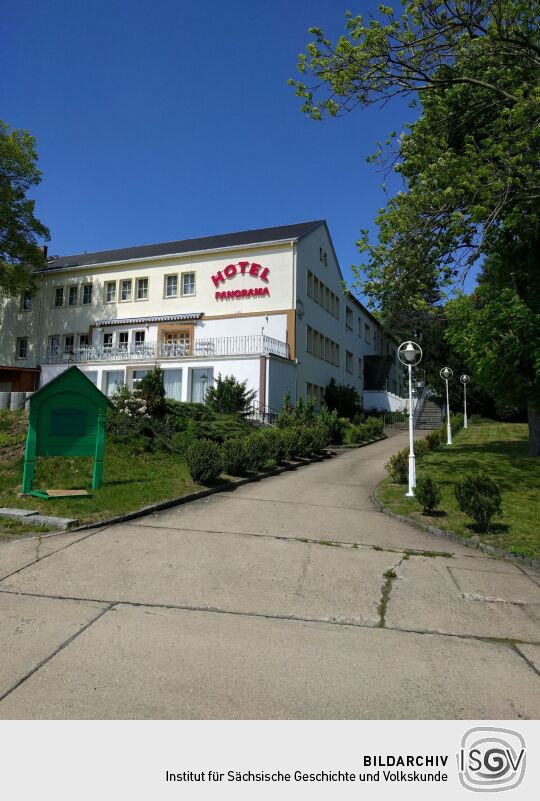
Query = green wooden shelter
x=67 y=418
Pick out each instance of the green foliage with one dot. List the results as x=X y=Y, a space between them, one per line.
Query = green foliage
x=372 y=428
x=290 y=442
x=20 y=230
x=223 y=426
x=343 y=398
x=151 y=389
x=256 y=450
x=286 y=416
x=421 y=448
x=398 y=466
x=234 y=457
x=434 y=439
x=230 y=396
x=335 y=426
x=204 y=461
x=428 y=493
x=275 y=444
x=480 y=498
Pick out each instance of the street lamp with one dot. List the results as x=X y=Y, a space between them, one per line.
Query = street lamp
x=464 y=380
x=410 y=354
x=446 y=374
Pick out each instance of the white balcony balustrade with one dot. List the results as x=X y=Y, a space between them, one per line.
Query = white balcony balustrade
x=253 y=345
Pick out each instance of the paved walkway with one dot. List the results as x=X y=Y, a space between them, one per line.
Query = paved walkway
x=268 y=602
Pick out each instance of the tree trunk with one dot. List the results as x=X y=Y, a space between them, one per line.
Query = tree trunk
x=534 y=431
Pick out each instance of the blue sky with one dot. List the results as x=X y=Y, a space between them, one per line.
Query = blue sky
x=173 y=119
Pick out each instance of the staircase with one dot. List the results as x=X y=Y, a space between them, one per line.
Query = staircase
x=431 y=415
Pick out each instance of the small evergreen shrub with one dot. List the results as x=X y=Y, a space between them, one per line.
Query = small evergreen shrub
x=374 y=427
x=334 y=425
x=480 y=498
x=286 y=417
x=306 y=442
x=290 y=442
x=359 y=434
x=398 y=466
x=151 y=389
x=421 y=448
x=434 y=439
x=321 y=438
x=230 y=396
x=204 y=460
x=256 y=449
x=343 y=398
x=275 y=444
x=234 y=457
x=428 y=494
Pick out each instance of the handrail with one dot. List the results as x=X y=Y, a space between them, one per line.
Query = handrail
x=420 y=400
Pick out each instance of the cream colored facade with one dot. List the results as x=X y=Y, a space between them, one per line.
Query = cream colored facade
x=271 y=312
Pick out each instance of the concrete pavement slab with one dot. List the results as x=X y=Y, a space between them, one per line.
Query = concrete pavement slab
x=486 y=585
x=272 y=518
x=532 y=653
x=163 y=663
x=18 y=553
x=425 y=597
x=314 y=493
x=224 y=571
x=31 y=629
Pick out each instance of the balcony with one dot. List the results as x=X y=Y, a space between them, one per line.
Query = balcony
x=254 y=345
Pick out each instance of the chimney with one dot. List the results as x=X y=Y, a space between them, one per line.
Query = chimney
x=44 y=249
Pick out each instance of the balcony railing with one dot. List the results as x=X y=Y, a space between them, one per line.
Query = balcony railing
x=254 y=345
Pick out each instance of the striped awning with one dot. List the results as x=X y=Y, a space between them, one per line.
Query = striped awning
x=144 y=320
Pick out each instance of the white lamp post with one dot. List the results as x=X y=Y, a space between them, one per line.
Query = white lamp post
x=446 y=374
x=464 y=380
x=410 y=354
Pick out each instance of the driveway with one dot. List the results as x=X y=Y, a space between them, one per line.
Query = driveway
x=270 y=601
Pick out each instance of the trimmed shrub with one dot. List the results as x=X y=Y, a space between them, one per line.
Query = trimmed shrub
x=434 y=439
x=334 y=425
x=234 y=457
x=480 y=498
x=421 y=448
x=256 y=449
x=204 y=460
x=374 y=427
x=398 y=466
x=306 y=442
x=275 y=444
x=321 y=438
x=428 y=494
x=290 y=442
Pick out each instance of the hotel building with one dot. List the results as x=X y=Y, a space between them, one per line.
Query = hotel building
x=267 y=306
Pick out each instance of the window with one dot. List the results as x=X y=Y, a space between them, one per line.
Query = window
x=87 y=294
x=136 y=377
x=360 y=371
x=322 y=346
x=171 y=286
x=113 y=380
x=172 y=381
x=59 y=296
x=359 y=326
x=83 y=340
x=22 y=347
x=139 y=339
x=142 y=288
x=125 y=289
x=54 y=344
x=107 y=340
x=92 y=375
x=349 y=318
x=110 y=291
x=123 y=339
x=367 y=332
x=348 y=361
x=72 y=296
x=26 y=301
x=310 y=284
x=68 y=343
x=188 y=283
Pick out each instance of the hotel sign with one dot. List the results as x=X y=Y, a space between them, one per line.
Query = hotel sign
x=252 y=269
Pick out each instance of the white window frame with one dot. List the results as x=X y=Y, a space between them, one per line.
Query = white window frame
x=18 y=342
x=166 y=286
x=183 y=277
x=137 y=284
x=84 y=287
x=123 y=345
x=127 y=281
x=56 y=290
x=71 y=293
x=65 y=345
x=107 y=285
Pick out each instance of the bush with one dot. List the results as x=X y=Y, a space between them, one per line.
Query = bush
x=230 y=396
x=204 y=460
x=398 y=466
x=428 y=494
x=343 y=398
x=480 y=498
x=290 y=442
x=234 y=457
x=321 y=438
x=335 y=426
x=374 y=427
x=151 y=389
x=256 y=449
x=434 y=439
x=421 y=448
x=286 y=418
x=306 y=442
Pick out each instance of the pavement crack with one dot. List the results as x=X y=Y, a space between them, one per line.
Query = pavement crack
x=56 y=651
x=525 y=659
x=389 y=576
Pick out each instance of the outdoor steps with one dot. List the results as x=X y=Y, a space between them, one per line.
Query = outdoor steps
x=431 y=415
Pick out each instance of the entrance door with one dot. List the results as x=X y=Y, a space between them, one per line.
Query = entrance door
x=176 y=343
x=201 y=379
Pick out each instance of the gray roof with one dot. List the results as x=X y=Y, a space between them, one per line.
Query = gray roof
x=161 y=319
x=257 y=236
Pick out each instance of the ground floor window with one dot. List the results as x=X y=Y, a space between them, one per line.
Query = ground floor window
x=137 y=376
x=201 y=379
x=22 y=347
x=92 y=375
x=112 y=380
x=172 y=379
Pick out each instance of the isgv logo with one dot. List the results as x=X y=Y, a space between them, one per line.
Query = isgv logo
x=491 y=759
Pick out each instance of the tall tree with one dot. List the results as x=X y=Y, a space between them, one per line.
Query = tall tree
x=469 y=163
x=20 y=230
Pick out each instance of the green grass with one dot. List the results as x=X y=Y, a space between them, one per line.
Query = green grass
x=130 y=481
x=501 y=451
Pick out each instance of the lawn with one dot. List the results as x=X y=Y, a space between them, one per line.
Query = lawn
x=501 y=451
x=129 y=483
